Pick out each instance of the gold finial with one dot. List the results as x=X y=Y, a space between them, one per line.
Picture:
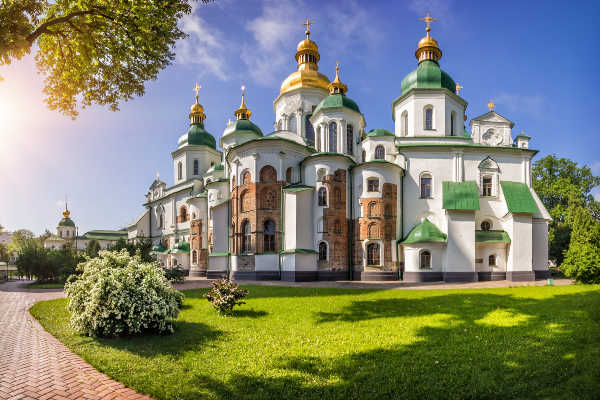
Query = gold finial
x=428 y=20
x=337 y=87
x=428 y=48
x=196 y=89
x=197 y=115
x=157 y=175
x=229 y=122
x=243 y=112
x=307 y=24
x=458 y=87
x=491 y=105
x=66 y=213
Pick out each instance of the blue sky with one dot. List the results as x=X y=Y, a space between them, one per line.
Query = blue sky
x=538 y=60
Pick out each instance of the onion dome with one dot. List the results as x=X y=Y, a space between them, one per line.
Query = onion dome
x=379 y=132
x=307 y=75
x=197 y=135
x=428 y=74
x=337 y=96
x=242 y=129
x=243 y=112
x=66 y=221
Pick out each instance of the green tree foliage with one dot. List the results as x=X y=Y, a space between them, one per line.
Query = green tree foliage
x=92 y=248
x=564 y=187
x=19 y=239
x=582 y=259
x=33 y=260
x=92 y=51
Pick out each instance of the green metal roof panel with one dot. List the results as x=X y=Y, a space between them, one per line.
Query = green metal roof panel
x=425 y=232
x=335 y=101
x=379 y=132
x=518 y=197
x=244 y=126
x=299 y=251
x=460 y=195
x=197 y=136
x=66 y=222
x=105 y=235
x=491 y=237
x=428 y=75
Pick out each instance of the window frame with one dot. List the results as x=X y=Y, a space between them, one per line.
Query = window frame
x=428 y=109
x=323 y=251
x=492 y=257
x=332 y=136
x=422 y=176
x=429 y=263
x=404 y=123
x=246 y=245
x=373 y=254
x=487 y=189
x=179 y=170
x=322 y=196
x=373 y=182
x=489 y=225
x=378 y=149
x=269 y=243
x=349 y=139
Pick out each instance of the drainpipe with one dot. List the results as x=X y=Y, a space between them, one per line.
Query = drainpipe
x=400 y=274
x=351 y=228
x=281 y=205
x=228 y=232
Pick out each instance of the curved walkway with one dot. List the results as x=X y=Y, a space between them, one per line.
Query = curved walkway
x=35 y=365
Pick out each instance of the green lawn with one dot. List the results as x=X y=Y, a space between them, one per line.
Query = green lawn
x=50 y=285
x=303 y=343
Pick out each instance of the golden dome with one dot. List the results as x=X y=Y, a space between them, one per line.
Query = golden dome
x=66 y=213
x=337 y=87
x=197 y=115
x=243 y=112
x=428 y=48
x=307 y=75
x=196 y=108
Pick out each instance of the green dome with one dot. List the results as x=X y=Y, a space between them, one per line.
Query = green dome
x=428 y=75
x=379 y=132
x=197 y=136
x=66 y=222
x=425 y=232
x=335 y=101
x=244 y=126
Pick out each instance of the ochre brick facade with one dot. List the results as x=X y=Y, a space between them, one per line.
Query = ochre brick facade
x=335 y=222
x=196 y=243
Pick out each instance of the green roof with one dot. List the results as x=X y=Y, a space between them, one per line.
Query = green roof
x=335 y=101
x=425 y=232
x=66 y=222
x=245 y=125
x=491 y=237
x=105 y=235
x=296 y=187
x=428 y=75
x=379 y=132
x=182 y=247
x=460 y=195
x=522 y=136
x=518 y=197
x=197 y=136
x=160 y=249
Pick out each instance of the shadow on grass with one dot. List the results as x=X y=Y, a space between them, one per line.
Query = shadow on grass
x=248 y=313
x=483 y=346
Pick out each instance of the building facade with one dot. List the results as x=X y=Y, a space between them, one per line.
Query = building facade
x=321 y=198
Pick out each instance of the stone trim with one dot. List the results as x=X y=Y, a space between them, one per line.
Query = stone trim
x=491 y=276
x=410 y=276
x=520 y=276
x=375 y=276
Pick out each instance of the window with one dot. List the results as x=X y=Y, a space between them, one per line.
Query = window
x=288 y=175
x=349 y=139
x=492 y=260
x=322 y=196
x=246 y=177
x=452 y=123
x=429 y=118
x=426 y=186
x=318 y=138
x=364 y=156
x=373 y=185
x=373 y=254
x=380 y=152
x=195 y=257
x=292 y=124
x=196 y=167
x=372 y=231
x=333 y=137
x=322 y=251
x=404 y=126
x=268 y=174
x=193 y=215
x=487 y=186
x=486 y=226
x=371 y=209
x=269 y=236
x=179 y=170
x=310 y=131
x=425 y=260
x=246 y=237
x=183 y=214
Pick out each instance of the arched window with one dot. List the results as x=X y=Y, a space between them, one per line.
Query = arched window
x=246 y=237
x=371 y=209
x=333 y=137
x=268 y=198
x=268 y=174
x=492 y=260
x=321 y=174
x=310 y=132
x=179 y=170
x=425 y=259
x=279 y=124
x=193 y=215
x=380 y=152
x=372 y=231
x=404 y=124
x=195 y=257
x=486 y=185
x=322 y=251
x=373 y=254
x=452 y=123
x=373 y=185
x=245 y=201
x=426 y=186
x=486 y=226
x=337 y=196
x=349 y=139
x=288 y=175
x=161 y=221
x=292 y=124
x=269 y=236
x=364 y=156
x=322 y=196
x=196 y=169
x=318 y=147
x=246 y=177
x=337 y=227
x=183 y=214
x=428 y=118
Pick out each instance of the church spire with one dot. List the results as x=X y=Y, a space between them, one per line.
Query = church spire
x=197 y=115
x=308 y=52
x=243 y=112
x=428 y=48
x=337 y=87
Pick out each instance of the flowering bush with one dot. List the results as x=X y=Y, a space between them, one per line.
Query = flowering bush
x=224 y=295
x=175 y=274
x=117 y=294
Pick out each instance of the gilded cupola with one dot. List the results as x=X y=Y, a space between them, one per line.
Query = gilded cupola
x=196 y=134
x=307 y=75
x=243 y=112
x=428 y=48
x=197 y=115
x=337 y=87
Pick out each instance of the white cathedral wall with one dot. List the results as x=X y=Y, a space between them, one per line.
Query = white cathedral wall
x=540 y=244
x=299 y=103
x=519 y=229
x=483 y=252
x=258 y=155
x=412 y=256
x=298 y=220
x=460 y=250
x=443 y=104
x=369 y=145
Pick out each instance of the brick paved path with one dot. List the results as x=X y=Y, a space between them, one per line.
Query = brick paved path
x=35 y=365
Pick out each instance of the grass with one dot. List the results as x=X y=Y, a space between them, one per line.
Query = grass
x=46 y=285
x=305 y=343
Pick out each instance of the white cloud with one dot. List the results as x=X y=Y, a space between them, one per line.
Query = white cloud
x=532 y=105
x=596 y=168
x=596 y=193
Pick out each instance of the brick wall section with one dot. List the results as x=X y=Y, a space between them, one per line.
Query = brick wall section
x=378 y=222
x=335 y=222
x=196 y=242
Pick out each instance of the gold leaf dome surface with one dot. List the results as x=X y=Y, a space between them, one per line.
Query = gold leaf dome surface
x=307 y=44
x=196 y=108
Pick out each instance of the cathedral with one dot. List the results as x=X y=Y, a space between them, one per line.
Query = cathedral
x=320 y=198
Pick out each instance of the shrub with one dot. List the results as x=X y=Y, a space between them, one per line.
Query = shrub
x=224 y=295
x=175 y=275
x=117 y=294
x=582 y=263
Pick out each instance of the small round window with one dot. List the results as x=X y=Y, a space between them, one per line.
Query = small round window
x=486 y=226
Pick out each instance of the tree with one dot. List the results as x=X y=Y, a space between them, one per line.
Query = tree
x=582 y=259
x=19 y=239
x=92 y=51
x=563 y=187
x=92 y=248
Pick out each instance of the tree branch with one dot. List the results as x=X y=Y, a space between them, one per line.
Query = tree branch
x=44 y=27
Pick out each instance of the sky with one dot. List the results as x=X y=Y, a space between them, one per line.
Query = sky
x=537 y=60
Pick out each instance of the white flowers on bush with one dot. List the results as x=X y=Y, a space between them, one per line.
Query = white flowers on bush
x=120 y=295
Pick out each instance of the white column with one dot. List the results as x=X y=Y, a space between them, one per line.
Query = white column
x=280 y=173
x=325 y=129
x=461 y=175
x=255 y=171
x=342 y=140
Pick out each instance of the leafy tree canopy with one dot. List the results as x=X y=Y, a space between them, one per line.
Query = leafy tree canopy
x=19 y=239
x=92 y=51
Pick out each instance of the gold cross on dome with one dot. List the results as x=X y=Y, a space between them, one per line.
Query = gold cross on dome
x=243 y=88
x=307 y=24
x=428 y=20
x=491 y=105
x=196 y=89
x=458 y=87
